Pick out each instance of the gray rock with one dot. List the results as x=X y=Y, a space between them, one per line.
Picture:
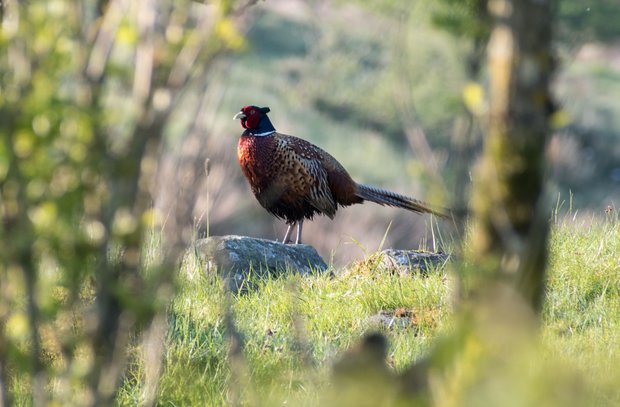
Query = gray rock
x=408 y=261
x=238 y=258
x=391 y=320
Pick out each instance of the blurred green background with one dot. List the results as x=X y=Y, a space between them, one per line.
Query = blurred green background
x=380 y=87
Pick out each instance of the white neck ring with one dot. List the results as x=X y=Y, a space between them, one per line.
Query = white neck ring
x=267 y=133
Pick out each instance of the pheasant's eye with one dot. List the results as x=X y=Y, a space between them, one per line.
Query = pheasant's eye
x=252 y=111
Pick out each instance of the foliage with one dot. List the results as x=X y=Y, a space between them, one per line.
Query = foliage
x=87 y=91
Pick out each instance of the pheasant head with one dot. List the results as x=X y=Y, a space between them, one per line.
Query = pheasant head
x=254 y=119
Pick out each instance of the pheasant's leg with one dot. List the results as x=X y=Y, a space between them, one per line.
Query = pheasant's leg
x=287 y=236
x=299 y=225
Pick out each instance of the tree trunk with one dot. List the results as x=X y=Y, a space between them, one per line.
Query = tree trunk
x=510 y=216
x=503 y=276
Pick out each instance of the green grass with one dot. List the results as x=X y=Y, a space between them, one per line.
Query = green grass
x=582 y=311
x=294 y=328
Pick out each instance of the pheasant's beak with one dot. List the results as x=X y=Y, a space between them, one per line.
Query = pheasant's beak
x=239 y=115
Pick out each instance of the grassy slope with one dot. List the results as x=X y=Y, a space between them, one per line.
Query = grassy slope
x=294 y=327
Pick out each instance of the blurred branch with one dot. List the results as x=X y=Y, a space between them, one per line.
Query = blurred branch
x=18 y=253
x=4 y=399
x=145 y=50
x=418 y=142
x=469 y=20
x=104 y=40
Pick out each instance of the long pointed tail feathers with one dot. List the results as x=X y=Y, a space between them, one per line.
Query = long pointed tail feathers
x=383 y=197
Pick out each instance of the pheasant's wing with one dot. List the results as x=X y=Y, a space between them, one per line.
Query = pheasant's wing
x=304 y=174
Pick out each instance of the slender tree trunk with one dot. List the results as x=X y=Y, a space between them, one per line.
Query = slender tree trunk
x=511 y=228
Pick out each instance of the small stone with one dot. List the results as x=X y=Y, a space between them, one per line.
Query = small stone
x=390 y=320
x=410 y=261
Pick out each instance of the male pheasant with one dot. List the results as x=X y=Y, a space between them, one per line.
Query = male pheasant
x=294 y=179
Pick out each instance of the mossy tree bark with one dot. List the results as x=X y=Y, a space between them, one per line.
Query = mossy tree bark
x=503 y=275
x=510 y=220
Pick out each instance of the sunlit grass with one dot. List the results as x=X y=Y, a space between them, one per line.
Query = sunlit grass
x=294 y=328
x=582 y=311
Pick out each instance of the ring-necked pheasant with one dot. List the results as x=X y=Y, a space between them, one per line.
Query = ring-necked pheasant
x=294 y=179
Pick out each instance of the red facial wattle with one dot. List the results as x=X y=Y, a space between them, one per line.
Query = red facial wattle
x=252 y=117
